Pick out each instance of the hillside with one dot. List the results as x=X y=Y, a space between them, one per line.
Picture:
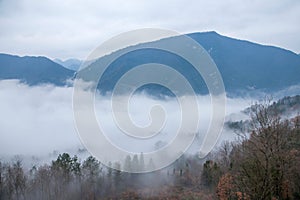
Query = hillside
x=246 y=67
x=33 y=70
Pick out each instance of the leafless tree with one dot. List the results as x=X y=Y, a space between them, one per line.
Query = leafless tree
x=261 y=160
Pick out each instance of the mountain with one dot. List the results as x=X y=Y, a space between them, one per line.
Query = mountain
x=246 y=67
x=72 y=64
x=33 y=70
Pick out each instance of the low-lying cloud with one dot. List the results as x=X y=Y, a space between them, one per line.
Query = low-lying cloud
x=39 y=120
x=35 y=120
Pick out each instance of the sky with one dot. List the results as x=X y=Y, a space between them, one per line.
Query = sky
x=74 y=28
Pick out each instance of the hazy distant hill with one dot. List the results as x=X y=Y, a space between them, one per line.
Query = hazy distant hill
x=33 y=70
x=288 y=106
x=72 y=63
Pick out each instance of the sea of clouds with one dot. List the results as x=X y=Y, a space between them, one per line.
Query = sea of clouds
x=38 y=120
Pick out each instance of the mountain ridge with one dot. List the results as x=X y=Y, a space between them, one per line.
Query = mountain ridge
x=71 y=63
x=241 y=40
x=245 y=66
x=33 y=70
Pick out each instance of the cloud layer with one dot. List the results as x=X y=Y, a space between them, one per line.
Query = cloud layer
x=38 y=120
x=35 y=120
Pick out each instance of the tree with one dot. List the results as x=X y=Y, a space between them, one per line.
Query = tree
x=127 y=163
x=135 y=163
x=142 y=162
x=108 y=179
x=117 y=176
x=15 y=181
x=64 y=170
x=261 y=161
x=151 y=165
x=1 y=181
x=91 y=168
x=225 y=188
x=67 y=165
x=210 y=174
x=41 y=183
x=224 y=154
x=109 y=171
x=91 y=175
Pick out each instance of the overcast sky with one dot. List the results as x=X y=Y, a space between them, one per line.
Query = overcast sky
x=65 y=29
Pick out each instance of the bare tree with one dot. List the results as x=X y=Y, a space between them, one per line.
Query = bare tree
x=260 y=160
x=15 y=181
x=1 y=181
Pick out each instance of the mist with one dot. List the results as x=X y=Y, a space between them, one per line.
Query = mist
x=38 y=120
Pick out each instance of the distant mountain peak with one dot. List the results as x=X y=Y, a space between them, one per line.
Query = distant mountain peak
x=206 y=32
x=71 y=63
x=246 y=67
x=33 y=70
